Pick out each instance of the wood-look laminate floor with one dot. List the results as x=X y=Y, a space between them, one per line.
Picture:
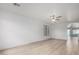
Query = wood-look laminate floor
x=46 y=47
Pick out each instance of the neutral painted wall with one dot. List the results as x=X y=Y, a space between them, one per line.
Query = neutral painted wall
x=59 y=31
x=16 y=29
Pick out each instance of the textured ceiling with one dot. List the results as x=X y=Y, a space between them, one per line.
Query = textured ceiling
x=42 y=11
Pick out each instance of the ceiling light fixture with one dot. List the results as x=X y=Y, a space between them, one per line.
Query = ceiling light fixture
x=55 y=18
x=16 y=4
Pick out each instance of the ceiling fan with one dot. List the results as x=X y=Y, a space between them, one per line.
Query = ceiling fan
x=16 y=4
x=55 y=18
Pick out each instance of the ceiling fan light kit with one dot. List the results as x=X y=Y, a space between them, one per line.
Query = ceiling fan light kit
x=55 y=18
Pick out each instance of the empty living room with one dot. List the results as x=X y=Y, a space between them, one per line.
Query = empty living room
x=39 y=28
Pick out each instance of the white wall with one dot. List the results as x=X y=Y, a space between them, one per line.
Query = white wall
x=59 y=31
x=16 y=29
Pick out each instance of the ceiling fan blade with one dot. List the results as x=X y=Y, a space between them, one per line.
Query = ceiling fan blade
x=59 y=17
x=16 y=4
